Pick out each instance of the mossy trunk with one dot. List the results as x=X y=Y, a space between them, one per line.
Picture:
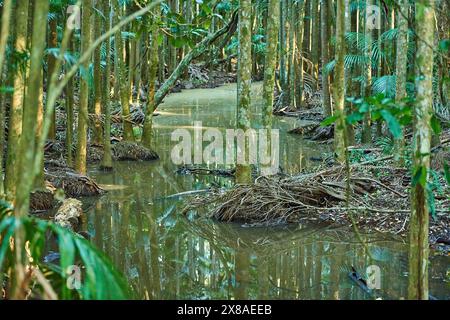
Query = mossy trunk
x=300 y=54
x=283 y=52
x=307 y=30
x=52 y=43
x=349 y=75
x=27 y=147
x=419 y=222
x=97 y=124
x=82 y=130
x=366 y=135
x=270 y=60
x=39 y=181
x=16 y=108
x=106 y=163
x=5 y=27
x=401 y=69
x=69 y=90
x=152 y=77
x=325 y=57
x=315 y=38
x=243 y=171
x=123 y=81
x=292 y=45
x=339 y=86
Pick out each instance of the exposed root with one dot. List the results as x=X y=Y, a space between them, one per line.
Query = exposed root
x=73 y=184
x=94 y=153
x=126 y=150
x=378 y=201
x=41 y=200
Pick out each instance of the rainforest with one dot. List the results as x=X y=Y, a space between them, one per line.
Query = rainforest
x=224 y=149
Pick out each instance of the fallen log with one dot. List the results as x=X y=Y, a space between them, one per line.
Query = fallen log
x=197 y=51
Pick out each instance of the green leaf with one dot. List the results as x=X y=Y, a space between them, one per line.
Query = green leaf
x=354 y=117
x=444 y=45
x=100 y=279
x=392 y=122
x=328 y=121
x=420 y=176
x=447 y=172
x=435 y=125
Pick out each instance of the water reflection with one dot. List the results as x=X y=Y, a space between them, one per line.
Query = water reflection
x=167 y=255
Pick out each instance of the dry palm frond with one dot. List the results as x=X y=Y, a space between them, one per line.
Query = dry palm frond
x=380 y=204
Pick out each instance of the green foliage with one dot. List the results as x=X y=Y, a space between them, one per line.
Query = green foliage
x=385 y=85
x=444 y=45
x=435 y=124
x=100 y=280
x=447 y=173
x=394 y=114
x=419 y=176
x=330 y=120
x=436 y=185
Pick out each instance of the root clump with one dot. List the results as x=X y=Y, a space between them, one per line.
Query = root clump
x=133 y=151
x=378 y=201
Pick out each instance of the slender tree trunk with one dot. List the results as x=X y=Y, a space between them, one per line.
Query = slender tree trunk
x=292 y=45
x=348 y=76
x=307 y=31
x=6 y=20
x=97 y=129
x=419 y=222
x=315 y=38
x=39 y=182
x=131 y=69
x=325 y=50
x=366 y=135
x=16 y=108
x=28 y=142
x=243 y=171
x=401 y=69
x=270 y=60
x=152 y=73
x=300 y=53
x=69 y=90
x=5 y=26
x=107 y=154
x=123 y=83
x=82 y=130
x=339 y=86
x=283 y=53
x=52 y=43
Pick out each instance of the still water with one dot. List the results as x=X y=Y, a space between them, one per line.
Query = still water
x=165 y=255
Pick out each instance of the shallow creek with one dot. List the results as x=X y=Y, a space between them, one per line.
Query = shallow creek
x=166 y=255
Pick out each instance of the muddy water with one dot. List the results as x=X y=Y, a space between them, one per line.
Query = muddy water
x=167 y=255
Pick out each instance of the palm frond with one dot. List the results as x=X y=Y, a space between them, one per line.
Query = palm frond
x=100 y=279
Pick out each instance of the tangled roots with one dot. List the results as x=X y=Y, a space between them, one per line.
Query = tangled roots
x=126 y=150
